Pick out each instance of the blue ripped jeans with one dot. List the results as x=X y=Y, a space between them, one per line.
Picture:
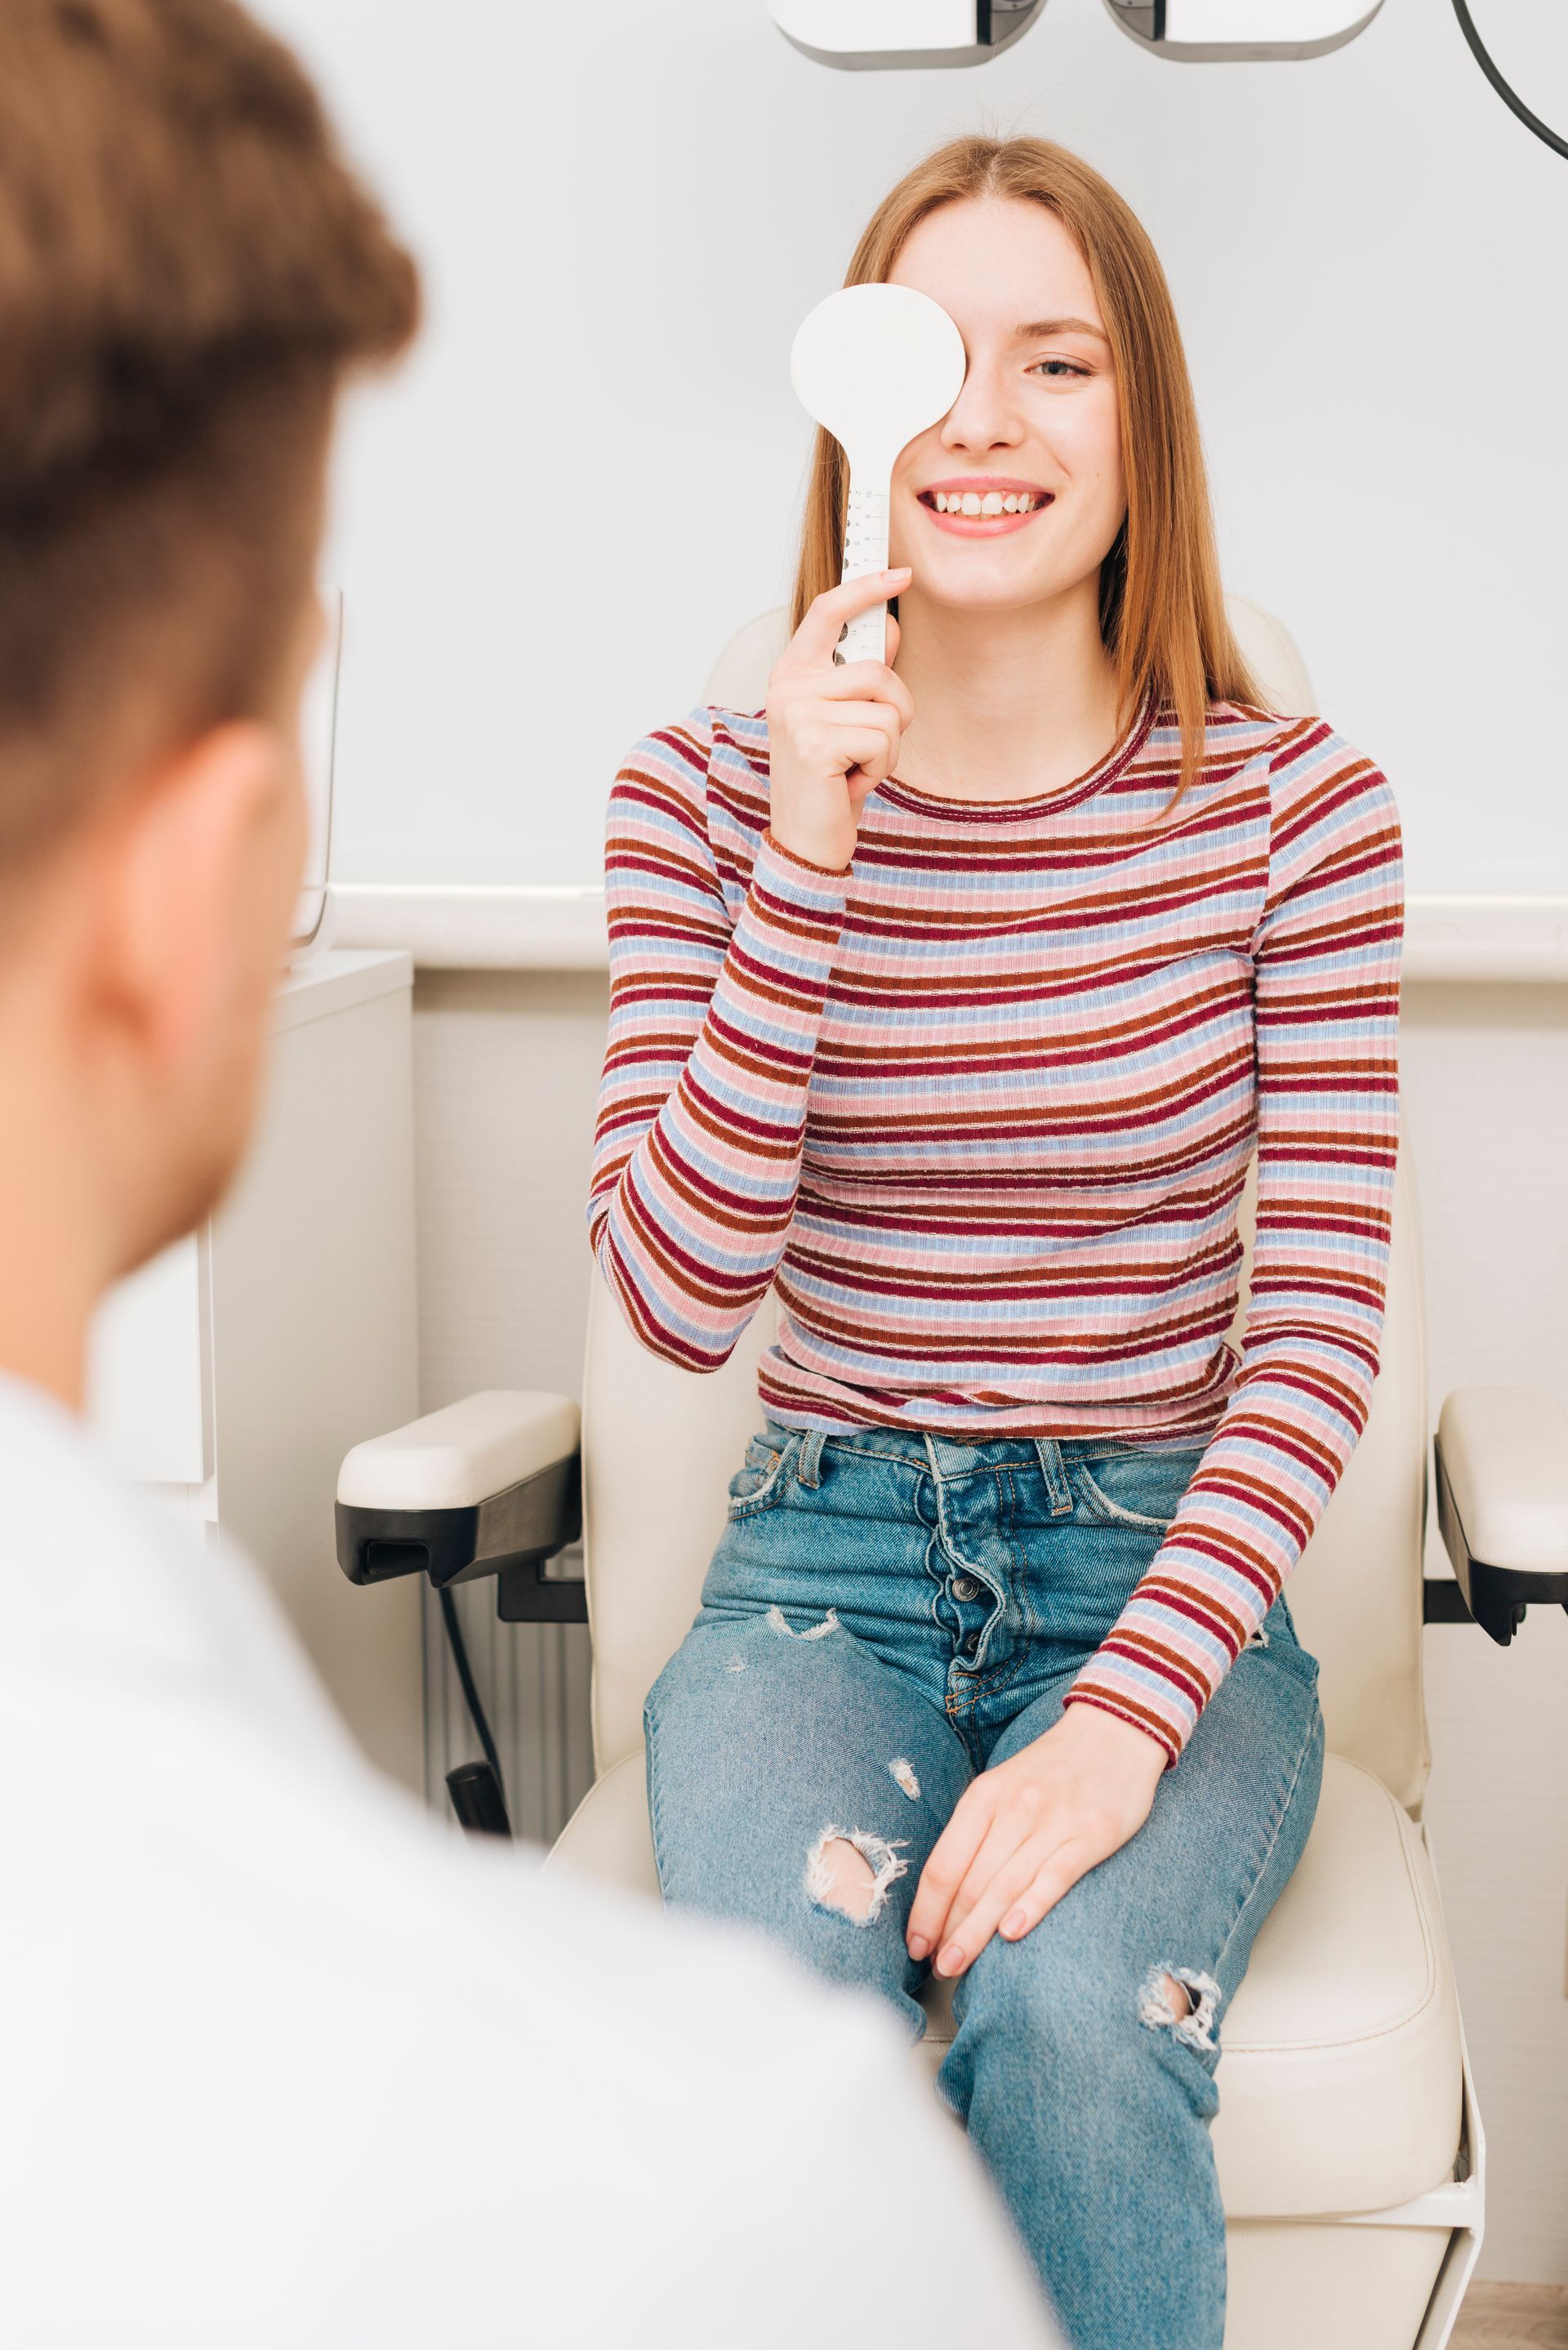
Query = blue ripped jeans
x=886 y=1615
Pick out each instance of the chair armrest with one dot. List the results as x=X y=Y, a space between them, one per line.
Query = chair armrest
x=489 y=1486
x=1502 y=1501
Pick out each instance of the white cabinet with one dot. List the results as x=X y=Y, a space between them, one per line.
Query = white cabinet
x=234 y=1371
x=149 y=1376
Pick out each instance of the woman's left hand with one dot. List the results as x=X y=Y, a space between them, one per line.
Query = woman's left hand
x=1023 y=1833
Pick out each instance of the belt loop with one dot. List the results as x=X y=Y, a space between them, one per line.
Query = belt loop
x=1058 y=1491
x=808 y=1468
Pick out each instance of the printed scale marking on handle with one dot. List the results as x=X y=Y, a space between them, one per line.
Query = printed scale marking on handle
x=875 y=365
x=864 y=638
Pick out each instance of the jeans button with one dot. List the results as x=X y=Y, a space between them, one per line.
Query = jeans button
x=966 y=1587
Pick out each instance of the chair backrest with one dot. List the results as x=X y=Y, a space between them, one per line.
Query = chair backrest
x=660 y=1446
x=739 y=676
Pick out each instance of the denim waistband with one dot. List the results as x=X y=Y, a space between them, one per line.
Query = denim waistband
x=947 y=1456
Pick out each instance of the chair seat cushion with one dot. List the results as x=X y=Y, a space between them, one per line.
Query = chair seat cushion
x=1340 y=2079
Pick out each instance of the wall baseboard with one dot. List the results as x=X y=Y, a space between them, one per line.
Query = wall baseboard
x=450 y=926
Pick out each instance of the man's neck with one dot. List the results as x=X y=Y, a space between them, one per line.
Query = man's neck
x=44 y=1323
x=52 y=1256
x=1007 y=703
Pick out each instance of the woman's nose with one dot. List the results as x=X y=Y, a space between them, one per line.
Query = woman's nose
x=982 y=417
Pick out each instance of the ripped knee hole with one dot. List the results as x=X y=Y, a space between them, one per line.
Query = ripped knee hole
x=850 y=1872
x=1182 y=2001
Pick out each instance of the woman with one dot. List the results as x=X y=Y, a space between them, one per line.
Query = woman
x=951 y=996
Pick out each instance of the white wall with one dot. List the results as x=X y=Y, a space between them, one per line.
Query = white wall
x=589 y=475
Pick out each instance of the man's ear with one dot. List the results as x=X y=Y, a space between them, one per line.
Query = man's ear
x=173 y=871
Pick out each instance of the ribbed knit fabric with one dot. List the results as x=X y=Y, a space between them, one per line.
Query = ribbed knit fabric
x=982 y=1107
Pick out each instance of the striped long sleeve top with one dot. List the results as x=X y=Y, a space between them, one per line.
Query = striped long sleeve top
x=982 y=1107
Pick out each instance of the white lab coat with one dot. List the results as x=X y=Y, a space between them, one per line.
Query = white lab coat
x=285 y=2063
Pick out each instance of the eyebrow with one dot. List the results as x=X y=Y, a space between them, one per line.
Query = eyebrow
x=1038 y=329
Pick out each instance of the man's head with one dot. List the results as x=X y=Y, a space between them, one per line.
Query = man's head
x=187 y=272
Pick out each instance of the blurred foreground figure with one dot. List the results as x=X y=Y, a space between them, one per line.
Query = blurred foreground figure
x=283 y=2062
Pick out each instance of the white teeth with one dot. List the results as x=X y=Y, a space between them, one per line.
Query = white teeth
x=994 y=502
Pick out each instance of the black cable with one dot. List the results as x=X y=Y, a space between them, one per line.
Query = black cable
x=1509 y=97
x=465 y=1678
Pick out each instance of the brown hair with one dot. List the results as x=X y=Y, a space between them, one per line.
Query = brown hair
x=1162 y=610
x=187 y=269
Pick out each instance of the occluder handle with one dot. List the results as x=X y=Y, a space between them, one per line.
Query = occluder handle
x=864 y=638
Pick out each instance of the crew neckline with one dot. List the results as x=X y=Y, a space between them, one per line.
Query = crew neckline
x=1105 y=770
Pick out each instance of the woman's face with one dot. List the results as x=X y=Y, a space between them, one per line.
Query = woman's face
x=1036 y=418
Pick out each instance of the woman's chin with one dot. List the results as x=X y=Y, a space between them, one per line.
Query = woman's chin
x=980 y=586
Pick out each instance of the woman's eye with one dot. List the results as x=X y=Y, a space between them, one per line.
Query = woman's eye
x=1064 y=366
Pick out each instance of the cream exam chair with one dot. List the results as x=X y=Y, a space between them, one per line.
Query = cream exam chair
x=1350 y=2151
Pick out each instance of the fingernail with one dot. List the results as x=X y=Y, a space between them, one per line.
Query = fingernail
x=897 y=572
x=916 y=1946
x=1014 y=1923
x=951 y=1960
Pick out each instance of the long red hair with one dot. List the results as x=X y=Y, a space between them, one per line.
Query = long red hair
x=1162 y=608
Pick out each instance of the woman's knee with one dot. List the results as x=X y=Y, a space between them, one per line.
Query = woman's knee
x=1084 y=2005
x=1089 y=2025
x=1048 y=1986
x=851 y=1874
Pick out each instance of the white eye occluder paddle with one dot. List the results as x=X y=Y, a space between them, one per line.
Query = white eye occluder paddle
x=875 y=365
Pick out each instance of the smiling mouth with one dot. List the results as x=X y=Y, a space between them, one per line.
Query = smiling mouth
x=986 y=505
x=984 y=514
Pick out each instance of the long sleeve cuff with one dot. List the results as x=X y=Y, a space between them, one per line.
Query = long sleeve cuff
x=806 y=864
x=1143 y=1673
x=768 y=1002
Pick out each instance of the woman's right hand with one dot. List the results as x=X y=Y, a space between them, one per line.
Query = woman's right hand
x=833 y=733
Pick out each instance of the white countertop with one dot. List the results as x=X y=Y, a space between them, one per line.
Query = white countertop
x=330 y=979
